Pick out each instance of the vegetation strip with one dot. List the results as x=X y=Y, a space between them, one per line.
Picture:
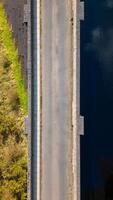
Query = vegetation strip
x=12 y=54
x=13 y=108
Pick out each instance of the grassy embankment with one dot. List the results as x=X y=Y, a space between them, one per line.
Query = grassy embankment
x=12 y=56
x=13 y=107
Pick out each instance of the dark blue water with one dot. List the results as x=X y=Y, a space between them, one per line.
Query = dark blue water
x=97 y=100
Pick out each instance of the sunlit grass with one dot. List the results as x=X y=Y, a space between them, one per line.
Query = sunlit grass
x=7 y=41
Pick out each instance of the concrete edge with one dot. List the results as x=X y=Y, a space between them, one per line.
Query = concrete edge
x=27 y=18
x=78 y=14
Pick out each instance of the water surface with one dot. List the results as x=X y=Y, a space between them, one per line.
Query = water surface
x=97 y=100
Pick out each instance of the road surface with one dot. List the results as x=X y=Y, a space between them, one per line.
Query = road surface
x=55 y=100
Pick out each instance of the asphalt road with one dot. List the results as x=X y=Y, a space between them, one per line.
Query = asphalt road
x=56 y=66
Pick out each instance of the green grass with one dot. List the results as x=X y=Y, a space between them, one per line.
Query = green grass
x=6 y=39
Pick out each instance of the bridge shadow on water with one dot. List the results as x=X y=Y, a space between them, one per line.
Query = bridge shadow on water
x=97 y=101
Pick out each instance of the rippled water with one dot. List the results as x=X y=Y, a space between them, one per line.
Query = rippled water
x=97 y=100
